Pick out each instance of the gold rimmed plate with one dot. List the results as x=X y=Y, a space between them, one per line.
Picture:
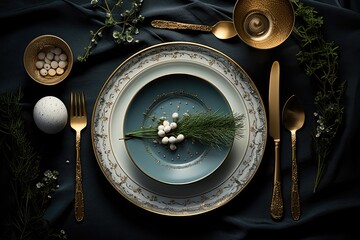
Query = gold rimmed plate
x=108 y=124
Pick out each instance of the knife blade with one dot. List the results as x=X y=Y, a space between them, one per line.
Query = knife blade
x=277 y=207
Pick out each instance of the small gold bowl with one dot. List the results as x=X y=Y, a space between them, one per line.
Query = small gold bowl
x=46 y=44
x=263 y=24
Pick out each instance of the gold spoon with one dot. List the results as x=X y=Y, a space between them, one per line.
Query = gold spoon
x=221 y=30
x=293 y=117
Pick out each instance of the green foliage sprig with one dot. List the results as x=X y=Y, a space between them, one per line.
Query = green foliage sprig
x=319 y=58
x=128 y=21
x=208 y=128
x=27 y=194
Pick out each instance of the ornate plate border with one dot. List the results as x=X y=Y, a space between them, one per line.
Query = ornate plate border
x=157 y=197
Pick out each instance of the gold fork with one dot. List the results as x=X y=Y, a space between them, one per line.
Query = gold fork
x=78 y=122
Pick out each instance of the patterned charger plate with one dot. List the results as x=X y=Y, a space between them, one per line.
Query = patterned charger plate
x=204 y=192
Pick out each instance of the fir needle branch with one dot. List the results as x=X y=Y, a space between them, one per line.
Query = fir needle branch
x=150 y=133
x=211 y=128
x=208 y=128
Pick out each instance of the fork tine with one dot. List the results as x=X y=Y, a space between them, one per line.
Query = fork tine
x=72 y=104
x=76 y=104
x=82 y=104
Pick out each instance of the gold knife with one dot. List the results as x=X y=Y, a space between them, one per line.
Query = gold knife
x=277 y=206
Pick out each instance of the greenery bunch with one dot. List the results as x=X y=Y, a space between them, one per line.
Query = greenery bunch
x=124 y=24
x=208 y=128
x=319 y=59
x=27 y=193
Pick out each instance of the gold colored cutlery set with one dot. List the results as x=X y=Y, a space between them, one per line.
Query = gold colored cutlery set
x=293 y=118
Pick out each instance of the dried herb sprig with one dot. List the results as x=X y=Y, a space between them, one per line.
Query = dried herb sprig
x=128 y=21
x=208 y=128
x=319 y=58
x=28 y=194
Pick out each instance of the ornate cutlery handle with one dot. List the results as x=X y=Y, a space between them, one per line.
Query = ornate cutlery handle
x=79 y=196
x=295 y=198
x=178 y=25
x=277 y=206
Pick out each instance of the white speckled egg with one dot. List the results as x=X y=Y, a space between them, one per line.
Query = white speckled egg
x=50 y=114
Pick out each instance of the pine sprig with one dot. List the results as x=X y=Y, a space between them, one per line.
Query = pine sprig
x=212 y=128
x=208 y=128
x=319 y=59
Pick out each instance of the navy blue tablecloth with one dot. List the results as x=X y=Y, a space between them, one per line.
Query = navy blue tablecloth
x=330 y=213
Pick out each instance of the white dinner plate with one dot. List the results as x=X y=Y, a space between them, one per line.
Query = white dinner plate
x=208 y=192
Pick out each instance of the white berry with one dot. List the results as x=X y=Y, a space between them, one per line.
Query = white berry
x=167 y=128
x=161 y=133
x=180 y=137
x=165 y=140
x=172 y=139
x=175 y=115
x=173 y=125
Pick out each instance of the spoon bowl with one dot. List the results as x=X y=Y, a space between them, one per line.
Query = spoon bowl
x=293 y=114
x=293 y=117
x=224 y=30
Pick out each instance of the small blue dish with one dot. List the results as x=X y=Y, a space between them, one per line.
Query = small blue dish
x=181 y=93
